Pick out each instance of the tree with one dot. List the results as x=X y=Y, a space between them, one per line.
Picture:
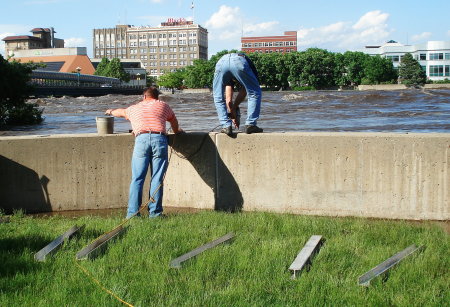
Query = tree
x=317 y=68
x=199 y=75
x=14 y=90
x=172 y=79
x=102 y=67
x=113 y=69
x=349 y=69
x=151 y=80
x=410 y=72
x=378 y=70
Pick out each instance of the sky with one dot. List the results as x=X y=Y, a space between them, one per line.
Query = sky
x=337 y=26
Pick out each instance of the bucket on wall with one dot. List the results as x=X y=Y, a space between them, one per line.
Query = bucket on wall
x=105 y=124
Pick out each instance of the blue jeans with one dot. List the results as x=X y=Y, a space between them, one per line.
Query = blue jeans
x=235 y=66
x=148 y=147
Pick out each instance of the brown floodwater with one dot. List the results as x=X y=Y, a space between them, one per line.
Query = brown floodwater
x=365 y=111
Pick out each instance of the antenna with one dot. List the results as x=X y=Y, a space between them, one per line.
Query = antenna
x=192 y=8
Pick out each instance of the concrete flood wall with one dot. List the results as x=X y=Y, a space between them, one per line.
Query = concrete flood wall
x=383 y=175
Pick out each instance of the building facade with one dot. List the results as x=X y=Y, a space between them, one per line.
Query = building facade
x=267 y=44
x=42 y=38
x=67 y=60
x=174 y=44
x=433 y=56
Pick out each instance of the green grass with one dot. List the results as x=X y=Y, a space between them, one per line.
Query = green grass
x=250 y=271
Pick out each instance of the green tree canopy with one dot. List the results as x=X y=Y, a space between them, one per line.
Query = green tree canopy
x=102 y=67
x=410 y=71
x=113 y=69
x=378 y=70
x=172 y=79
x=14 y=90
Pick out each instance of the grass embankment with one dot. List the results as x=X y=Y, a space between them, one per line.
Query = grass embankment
x=251 y=271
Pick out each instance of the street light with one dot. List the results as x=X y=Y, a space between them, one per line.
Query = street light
x=78 y=69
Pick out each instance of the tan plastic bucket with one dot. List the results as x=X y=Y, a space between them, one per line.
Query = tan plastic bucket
x=105 y=124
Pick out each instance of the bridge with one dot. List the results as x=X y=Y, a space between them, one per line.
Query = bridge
x=50 y=83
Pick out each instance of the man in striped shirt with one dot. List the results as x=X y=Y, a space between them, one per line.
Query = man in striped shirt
x=148 y=120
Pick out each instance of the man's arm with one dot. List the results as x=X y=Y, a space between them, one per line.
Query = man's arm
x=116 y=112
x=174 y=125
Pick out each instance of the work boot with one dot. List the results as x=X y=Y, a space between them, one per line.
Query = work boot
x=249 y=129
x=227 y=130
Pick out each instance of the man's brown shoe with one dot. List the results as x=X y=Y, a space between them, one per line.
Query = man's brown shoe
x=252 y=129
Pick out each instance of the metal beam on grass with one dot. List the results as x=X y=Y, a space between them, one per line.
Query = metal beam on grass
x=53 y=246
x=176 y=263
x=91 y=250
x=304 y=256
x=364 y=280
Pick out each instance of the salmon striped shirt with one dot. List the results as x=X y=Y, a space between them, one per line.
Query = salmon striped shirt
x=149 y=115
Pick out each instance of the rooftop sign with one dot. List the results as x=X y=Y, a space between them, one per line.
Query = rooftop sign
x=176 y=22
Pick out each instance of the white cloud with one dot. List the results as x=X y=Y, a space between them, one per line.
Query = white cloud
x=371 y=19
x=74 y=42
x=226 y=17
x=227 y=24
x=371 y=28
x=421 y=37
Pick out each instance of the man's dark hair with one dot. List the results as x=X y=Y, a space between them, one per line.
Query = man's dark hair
x=152 y=92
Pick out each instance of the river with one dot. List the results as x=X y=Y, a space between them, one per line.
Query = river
x=366 y=111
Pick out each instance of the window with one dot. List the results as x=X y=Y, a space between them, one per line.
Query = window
x=162 y=49
x=447 y=71
x=152 y=50
x=447 y=56
x=436 y=56
x=393 y=58
x=436 y=70
x=423 y=57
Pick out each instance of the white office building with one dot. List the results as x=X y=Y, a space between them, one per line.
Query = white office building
x=433 y=56
x=173 y=45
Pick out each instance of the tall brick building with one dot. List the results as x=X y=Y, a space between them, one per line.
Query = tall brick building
x=267 y=44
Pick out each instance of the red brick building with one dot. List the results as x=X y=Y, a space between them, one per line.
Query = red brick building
x=267 y=44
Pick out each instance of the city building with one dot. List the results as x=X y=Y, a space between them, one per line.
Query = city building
x=69 y=60
x=42 y=38
x=433 y=56
x=267 y=44
x=172 y=45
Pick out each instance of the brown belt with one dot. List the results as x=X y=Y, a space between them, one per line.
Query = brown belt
x=151 y=132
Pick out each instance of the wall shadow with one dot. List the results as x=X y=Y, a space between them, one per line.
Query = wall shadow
x=21 y=188
x=200 y=150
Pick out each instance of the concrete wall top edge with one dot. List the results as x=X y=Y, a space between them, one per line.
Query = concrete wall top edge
x=271 y=134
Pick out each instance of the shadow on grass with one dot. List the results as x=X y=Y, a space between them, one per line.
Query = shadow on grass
x=15 y=258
